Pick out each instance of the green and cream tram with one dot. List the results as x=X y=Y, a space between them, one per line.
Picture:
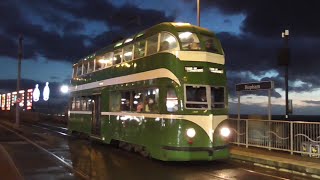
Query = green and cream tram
x=161 y=92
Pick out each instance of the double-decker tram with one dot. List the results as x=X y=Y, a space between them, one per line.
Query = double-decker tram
x=161 y=92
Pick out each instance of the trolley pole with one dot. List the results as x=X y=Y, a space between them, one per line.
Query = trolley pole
x=17 y=124
x=198 y=12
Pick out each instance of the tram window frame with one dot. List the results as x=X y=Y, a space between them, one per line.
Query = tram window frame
x=214 y=43
x=118 y=56
x=219 y=104
x=197 y=103
x=115 y=101
x=165 y=44
x=192 y=44
x=126 y=101
x=90 y=69
x=84 y=67
x=126 y=50
x=137 y=52
x=152 y=44
x=172 y=98
x=79 y=70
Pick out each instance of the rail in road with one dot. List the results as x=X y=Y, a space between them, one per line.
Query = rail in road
x=86 y=160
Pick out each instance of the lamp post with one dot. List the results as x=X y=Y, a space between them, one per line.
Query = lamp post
x=285 y=36
x=17 y=124
x=198 y=12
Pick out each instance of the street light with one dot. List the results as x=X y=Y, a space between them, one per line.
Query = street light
x=17 y=124
x=198 y=12
x=64 y=89
x=286 y=60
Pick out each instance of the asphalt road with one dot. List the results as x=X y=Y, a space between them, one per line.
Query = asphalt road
x=40 y=153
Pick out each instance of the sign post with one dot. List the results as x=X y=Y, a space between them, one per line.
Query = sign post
x=254 y=86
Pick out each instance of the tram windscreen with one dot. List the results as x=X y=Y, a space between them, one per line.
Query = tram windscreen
x=217 y=97
x=196 y=97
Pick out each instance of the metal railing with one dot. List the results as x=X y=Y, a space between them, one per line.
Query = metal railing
x=291 y=136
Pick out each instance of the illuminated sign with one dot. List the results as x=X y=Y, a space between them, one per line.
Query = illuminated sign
x=21 y=97
x=46 y=92
x=13 y=98
x=8 y=103
x=193 y=69
x=3 y=102
x=29 y=99
x=36 y=93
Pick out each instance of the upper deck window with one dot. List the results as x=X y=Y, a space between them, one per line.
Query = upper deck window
x=139 y=49
x=127 y=54
x=152 y=44
x=189 y=40
x=79 y=70
x=167 y=41
x=91 y=66
x=117 y=56
x=211 y=44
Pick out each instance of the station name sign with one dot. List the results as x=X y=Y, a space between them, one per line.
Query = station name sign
x=263 y=85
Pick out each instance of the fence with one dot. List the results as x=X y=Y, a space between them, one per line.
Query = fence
x=292 y=136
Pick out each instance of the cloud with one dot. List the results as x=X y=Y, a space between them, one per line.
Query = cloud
x=54 y=29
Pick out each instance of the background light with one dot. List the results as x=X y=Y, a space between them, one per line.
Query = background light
x=64 y=89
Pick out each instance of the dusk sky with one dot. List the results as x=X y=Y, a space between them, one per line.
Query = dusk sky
x=57 y=33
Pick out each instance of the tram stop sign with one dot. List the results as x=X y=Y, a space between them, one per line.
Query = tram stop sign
x=263 y=85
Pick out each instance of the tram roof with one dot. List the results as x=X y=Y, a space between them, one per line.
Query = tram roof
x=173 y=27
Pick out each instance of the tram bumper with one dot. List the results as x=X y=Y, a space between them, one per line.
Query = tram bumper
x=172 y=153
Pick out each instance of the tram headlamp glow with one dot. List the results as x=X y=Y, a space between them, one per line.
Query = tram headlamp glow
x=191 y=132
x=225 y=132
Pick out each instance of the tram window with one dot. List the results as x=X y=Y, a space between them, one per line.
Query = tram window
x=138 y=102
x=85 y=67
x=217 y=97
x=196 y=97
x=167 y=41
x=75 y=71
x=83 y=104
x=108 y=59
x=151 y=100
x=115 y=101
x=172 y=100
x=77 y=103
x=139 y=49
x=117 y=56
x=99 y=63
x=212 y=44
x=91 y=67
x=73 y=104
x=125 y=101
x=127 y=54
x=190 y=41
x=152 y=44
x=79 y=70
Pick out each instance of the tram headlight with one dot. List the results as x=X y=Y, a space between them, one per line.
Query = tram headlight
x=191 y=132
x=225 y=132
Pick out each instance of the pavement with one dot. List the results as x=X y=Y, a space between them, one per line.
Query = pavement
x=276 y=160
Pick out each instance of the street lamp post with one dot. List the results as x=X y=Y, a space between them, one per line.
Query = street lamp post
x=17 y=124
x=198 y=12
x=285 y=36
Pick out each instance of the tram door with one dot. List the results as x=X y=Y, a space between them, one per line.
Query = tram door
x=96 y=113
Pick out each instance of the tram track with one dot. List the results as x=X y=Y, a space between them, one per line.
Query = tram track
x=205 y=172
x=52 y=155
